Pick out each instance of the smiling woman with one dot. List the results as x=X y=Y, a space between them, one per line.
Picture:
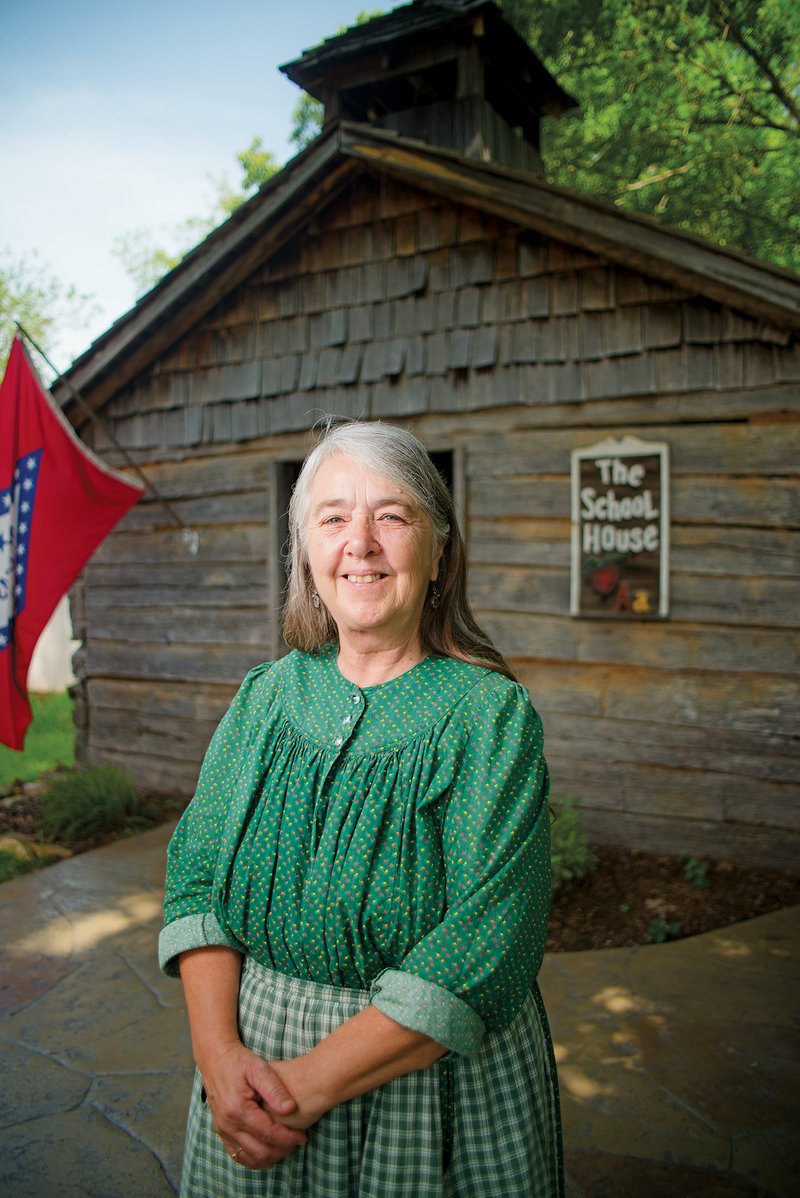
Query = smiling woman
x=357 y=897
x=373 y=555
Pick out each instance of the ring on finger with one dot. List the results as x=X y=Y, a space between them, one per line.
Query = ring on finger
x=235 y=1155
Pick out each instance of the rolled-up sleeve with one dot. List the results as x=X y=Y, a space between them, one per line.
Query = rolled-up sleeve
x=473 y=971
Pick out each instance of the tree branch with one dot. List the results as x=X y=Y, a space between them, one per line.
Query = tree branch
x=661 y=177
x=763 y=123
x=728 y=24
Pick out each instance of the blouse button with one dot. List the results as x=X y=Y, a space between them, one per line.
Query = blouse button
x=346 y=720
x=356 y=697
x=338 y=741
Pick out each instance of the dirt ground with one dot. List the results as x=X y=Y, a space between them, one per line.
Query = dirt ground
x=632 y=897
x=635 y=897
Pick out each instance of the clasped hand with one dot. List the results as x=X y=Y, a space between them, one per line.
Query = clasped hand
x=256 y=1117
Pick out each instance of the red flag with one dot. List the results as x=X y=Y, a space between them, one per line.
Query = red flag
x=57 y=503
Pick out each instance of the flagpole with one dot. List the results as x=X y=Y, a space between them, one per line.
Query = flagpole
x=190 y=536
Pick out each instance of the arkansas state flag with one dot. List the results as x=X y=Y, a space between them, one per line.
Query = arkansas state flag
x=57 y=503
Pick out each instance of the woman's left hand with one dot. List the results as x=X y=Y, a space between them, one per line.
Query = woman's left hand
x=364 y=1052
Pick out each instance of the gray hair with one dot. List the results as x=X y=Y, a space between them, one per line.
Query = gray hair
x=449 y=628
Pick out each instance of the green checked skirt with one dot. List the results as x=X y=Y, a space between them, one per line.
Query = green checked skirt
x=480 y=1127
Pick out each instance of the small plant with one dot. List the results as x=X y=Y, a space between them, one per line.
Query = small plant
x=12 y=864
x=661 y=930
x=93 y=804
x=696 y=872
x=571 y=856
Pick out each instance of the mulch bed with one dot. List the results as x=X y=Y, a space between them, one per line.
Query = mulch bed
x=635 y=897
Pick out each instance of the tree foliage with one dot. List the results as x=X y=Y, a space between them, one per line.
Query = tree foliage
x=147 y=256
x=689 y=111
x=33 y=296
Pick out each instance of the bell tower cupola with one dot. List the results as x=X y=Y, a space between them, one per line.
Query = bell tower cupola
x=452 y=74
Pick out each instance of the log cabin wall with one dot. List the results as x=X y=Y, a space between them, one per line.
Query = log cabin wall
x=512 y=350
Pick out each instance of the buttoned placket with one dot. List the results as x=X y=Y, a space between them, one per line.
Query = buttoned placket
x=350 y=718
x=347 y=721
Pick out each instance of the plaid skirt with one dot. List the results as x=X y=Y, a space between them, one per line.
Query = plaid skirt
x=480 y=1127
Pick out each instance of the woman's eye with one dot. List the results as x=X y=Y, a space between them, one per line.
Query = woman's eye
x=392 y=517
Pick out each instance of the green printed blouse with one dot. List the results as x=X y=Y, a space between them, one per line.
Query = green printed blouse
x=393 y=838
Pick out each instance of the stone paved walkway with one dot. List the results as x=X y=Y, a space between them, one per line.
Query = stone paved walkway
x=678 y=1062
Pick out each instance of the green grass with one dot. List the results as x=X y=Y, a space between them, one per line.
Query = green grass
x=11 y=865
x=50 y=741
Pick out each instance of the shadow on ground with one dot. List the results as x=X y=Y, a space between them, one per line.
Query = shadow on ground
x=678 y=1062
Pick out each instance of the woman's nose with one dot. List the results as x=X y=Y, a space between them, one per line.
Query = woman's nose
x=362 y=539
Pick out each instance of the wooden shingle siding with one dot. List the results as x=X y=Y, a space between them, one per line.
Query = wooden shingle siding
x=421 y=295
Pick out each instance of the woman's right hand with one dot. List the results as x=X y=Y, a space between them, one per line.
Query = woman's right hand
x=246 y=1098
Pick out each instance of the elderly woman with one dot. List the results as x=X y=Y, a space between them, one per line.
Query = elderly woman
x=357 y=896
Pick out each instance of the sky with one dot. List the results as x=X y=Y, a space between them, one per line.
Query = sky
x=117 y=116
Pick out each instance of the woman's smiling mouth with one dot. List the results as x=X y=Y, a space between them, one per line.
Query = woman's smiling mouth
x=359 y=579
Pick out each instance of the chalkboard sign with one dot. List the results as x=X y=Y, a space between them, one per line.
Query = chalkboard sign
x=620 y=530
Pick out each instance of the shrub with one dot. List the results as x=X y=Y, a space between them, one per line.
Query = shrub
x=571 y=856
x=696 y=872
x=11 y=865
x=93 y=804
x=661 y=930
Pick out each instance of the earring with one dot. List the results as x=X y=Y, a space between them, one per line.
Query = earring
x=435 y=594
x=315 y=599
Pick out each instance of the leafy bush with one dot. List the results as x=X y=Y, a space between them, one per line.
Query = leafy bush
x=696 y=872
x=661 y=930
x=571 y=856
x=92 y=804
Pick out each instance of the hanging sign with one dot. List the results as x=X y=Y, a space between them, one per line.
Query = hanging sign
x=620 y=530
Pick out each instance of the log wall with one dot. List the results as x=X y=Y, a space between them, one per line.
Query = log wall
x=514 y=350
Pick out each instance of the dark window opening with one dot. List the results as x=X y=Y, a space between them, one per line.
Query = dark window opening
x=443 y=461
x=371 y=101
x=286 y=475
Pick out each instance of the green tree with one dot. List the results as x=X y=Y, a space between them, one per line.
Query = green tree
x=148 y=256
x=689 y=111
x=306 y=121
x=33 y=296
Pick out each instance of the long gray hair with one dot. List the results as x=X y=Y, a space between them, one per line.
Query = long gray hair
x=449 y=628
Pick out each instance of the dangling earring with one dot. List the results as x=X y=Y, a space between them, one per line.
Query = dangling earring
x=435 y=596
x=315 y=599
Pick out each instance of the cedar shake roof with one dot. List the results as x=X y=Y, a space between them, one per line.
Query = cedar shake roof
x=266 y=223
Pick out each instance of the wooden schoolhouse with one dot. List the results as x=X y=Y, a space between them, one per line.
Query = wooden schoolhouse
x=615 y=404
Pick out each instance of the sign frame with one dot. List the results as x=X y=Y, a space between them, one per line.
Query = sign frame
x=613 y=459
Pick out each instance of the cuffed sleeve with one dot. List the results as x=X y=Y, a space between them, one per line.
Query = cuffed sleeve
x=495 y=832
x=192 y=931
x=424 y=1007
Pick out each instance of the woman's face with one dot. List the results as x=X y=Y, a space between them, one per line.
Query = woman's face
x=371 y=550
